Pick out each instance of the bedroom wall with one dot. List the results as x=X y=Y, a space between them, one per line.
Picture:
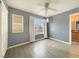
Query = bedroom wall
x=18 y=38
x=58 y=26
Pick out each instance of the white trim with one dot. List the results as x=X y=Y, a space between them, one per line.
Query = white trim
x=17 y=23
x=70 y=34
x=45 y=30
x=23 y=43
x=4 y=41
x=4 y=53
x=70 y=30
x=59 y=40
x=31 y=29
x=18 y=45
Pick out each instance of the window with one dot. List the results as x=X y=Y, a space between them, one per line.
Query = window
x=39 y=26
x=17 y=23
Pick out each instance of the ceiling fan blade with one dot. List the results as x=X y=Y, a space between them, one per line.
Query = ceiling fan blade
x=41 y=9
x=52 y=9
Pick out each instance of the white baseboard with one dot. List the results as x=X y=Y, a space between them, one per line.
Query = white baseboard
x=59 y=40
x=23 y=43
x=5 y=53
x=2 y=55
x=18 y=45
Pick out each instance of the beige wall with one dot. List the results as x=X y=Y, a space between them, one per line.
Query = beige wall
x=74 y=18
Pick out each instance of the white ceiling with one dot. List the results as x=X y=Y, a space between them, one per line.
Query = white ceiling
x=34 y=6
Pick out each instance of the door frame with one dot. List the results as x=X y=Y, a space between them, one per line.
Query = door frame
x=4 y=33
x=31 y=31
x=70 y=26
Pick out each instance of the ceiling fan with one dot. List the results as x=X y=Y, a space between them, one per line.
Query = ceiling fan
x=47 y=7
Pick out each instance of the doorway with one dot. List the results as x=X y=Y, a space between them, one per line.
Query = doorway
x=37 y=28
x=3 y=28
x=74 y=29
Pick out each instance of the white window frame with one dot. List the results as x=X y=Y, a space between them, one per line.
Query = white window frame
x=18 y=23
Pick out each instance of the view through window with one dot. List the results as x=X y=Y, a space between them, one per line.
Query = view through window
x=39 y=26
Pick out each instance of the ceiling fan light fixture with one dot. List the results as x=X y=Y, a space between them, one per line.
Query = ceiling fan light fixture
x=47 y=20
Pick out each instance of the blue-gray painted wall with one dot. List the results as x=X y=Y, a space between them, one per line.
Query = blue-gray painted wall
x=18 y=38
x=58 y=26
